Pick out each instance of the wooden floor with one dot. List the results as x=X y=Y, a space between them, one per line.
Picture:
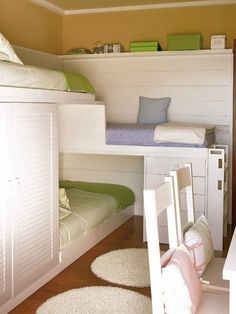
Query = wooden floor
x=79 y=274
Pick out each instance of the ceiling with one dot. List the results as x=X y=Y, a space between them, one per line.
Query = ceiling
x=89 y=6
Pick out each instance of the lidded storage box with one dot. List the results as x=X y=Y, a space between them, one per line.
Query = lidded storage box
x=141 y=46
x=184 y=42
x=218 y=42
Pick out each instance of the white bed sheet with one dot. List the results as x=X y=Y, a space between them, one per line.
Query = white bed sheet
x=26 y=76
x=88 y=209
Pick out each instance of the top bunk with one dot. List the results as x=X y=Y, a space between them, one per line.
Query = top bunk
x=29 y=83
x=199 y=83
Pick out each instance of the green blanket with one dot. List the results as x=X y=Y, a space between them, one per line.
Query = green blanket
x=122 y=194
x=78 y=83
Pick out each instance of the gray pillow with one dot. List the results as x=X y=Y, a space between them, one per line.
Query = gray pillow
x=153 y=110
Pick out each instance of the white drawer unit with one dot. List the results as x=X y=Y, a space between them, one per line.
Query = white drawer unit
x=210 y=183
x=163 y=165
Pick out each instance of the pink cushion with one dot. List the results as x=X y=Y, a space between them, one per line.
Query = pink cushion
x=181 y=282
x=198 y=239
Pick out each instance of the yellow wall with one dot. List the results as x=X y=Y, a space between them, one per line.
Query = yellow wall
x=26 y=24
x=123 y=27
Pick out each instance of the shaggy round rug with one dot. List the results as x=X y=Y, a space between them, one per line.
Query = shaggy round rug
x=99 y=300
x=127 y=267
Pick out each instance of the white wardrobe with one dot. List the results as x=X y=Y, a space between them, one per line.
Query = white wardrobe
x=29 y=187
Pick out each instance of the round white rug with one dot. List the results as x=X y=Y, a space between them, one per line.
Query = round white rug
x=99 y=300
x=127 y=267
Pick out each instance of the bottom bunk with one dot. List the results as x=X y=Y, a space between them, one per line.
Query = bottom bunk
x=93 y=211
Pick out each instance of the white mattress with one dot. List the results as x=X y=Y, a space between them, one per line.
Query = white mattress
x=17 y=75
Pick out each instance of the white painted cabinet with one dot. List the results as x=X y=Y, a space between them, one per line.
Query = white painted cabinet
x=29 y=215
x=156 y=168
x=5 y=208
x=210 y=184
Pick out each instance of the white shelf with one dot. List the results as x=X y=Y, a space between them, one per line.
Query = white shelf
x=146 y=54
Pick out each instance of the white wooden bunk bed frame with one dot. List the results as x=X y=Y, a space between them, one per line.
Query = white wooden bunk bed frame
x=200 y=84
x=117 y=93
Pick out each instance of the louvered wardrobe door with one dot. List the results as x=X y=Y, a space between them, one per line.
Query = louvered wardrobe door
x=5 y=206
x=35 y=233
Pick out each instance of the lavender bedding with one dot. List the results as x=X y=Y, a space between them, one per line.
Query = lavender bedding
x=142 y=135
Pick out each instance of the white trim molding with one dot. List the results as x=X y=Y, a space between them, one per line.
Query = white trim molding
x=49 y=6
x=56 y=9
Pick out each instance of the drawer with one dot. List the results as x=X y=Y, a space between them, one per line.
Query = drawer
x=153 y=180
x=160 y=165
x=162 y=221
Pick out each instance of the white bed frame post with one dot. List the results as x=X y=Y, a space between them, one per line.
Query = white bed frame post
x=217 y=212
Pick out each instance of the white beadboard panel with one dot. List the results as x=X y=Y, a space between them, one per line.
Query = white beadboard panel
x=34 y=216
x=130 y=94
x=180 y=78
x=157 y=62
x=200 y=103
x=94 y=162
x=5 y=209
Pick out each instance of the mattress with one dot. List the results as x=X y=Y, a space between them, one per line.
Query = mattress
x=88 y=210
x=90 y=204
x=26 y=76
x=143 y=134
x=124 y=195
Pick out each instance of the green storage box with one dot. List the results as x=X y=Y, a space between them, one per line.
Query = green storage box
x=142 y=49
x=139 y=46
x=184 y=42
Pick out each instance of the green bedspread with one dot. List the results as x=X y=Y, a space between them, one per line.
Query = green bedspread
x=78 y=83
x=123 y=195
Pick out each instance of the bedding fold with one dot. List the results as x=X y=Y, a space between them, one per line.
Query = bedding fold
x=178 y=132
x=27 y=76
x=124 y=195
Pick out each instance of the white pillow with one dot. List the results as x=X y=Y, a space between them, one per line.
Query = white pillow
x=180 y=284
x=198 y=239
x=3 y=57
x=63 y=199
x=7 y=49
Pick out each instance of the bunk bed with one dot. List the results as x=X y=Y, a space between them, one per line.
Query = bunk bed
x=29 y=101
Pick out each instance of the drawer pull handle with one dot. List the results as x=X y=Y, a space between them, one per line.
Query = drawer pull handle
x=219 y=185
x=220 y=163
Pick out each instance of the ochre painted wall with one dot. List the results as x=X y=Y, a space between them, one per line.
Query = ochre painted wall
x=29 y=25
x=123 y=27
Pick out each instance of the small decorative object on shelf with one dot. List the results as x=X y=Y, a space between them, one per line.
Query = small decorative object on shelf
x=113 y=48
x=184 y=42
x=218 y=41
x=141 y=46
x=99 y=48
x=75 y=51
